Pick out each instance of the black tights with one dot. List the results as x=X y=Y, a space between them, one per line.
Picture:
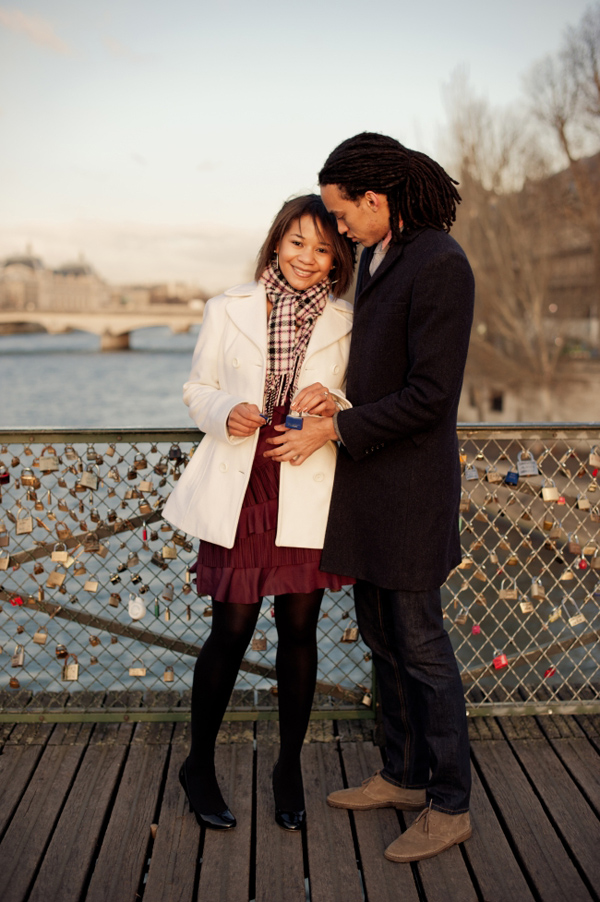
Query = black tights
x=216 y=669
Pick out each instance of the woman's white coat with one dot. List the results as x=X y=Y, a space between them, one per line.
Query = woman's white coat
x=229 y=367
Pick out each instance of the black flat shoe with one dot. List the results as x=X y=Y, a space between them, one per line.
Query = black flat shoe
x=224 y=820
x=290 y=820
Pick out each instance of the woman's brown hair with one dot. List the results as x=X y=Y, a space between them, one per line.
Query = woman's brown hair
x=326 y=227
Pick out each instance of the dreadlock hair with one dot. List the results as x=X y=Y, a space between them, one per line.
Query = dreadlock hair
x=419 y=192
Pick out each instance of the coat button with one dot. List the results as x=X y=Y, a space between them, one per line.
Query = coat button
x=335 y=368
x=223 y=467
x=235 y=362
x=319 y=477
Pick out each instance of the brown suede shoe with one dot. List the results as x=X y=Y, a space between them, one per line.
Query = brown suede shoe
x=375 y=792
x=432 y=832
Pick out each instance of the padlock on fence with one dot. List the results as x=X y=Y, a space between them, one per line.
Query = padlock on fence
x=169 y=674
x=510 y=592
x=24 y=523
x=538 y=592
x=139 y=671
x=526 y=464
x=350 y=633
x=549 y=490
x=59 y=554
x=136 y=607
x=40 y=636
x=18 y=657
x=48 y=463
x=70 y=672
x=499 y=660
x=259 y=642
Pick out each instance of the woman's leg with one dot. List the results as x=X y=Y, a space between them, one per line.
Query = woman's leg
x=296 y=617
x=214 y=678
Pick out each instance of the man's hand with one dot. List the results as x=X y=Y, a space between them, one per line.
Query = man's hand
x=296 y=445
x=315 y=399
x=244 y=420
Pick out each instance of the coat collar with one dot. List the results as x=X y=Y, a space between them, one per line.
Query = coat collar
x=395 y=252
x=247 y=310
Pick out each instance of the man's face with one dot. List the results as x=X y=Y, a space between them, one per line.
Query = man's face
x=366 y=220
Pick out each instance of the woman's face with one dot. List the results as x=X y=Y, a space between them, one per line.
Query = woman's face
x=304 y=258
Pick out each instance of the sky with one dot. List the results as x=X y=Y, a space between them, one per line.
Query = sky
x=159 y=139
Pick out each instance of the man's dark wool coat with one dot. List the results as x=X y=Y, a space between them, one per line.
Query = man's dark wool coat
x=394 y=509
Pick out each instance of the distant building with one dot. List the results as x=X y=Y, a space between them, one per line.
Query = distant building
x=26 y=284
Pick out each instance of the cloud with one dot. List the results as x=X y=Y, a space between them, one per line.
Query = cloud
x=211 y=255
x=38 y=30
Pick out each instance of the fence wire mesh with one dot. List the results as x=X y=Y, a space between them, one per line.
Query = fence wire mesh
x=98 y=598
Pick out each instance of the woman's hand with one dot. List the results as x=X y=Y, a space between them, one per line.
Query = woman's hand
x=315 y=399
x=296 y=445
x=244 y=419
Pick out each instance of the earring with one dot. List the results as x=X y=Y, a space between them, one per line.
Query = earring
x=277 y=260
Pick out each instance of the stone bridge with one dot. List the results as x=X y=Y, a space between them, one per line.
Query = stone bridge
x=113 y=326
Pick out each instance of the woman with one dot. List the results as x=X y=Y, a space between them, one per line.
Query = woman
x=262 y=522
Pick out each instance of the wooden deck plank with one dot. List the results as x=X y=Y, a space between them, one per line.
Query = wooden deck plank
x=542 y=853
x=70 y=854
x=17 y=764
x=225 y=873
x=176 y=848
x=385 y=881
x=490 y=856
x=122 y=857
x=334 y=876
x=574 y=818
x=583 y=762
x=26 y=838
x=279 y=858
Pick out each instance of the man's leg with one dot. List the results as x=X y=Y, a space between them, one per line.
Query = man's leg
x=421 y=693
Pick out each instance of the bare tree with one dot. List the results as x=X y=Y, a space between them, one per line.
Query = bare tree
x=506 y=225
x=564 y=96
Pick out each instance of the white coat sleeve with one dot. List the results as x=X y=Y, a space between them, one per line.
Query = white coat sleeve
x=209 y=405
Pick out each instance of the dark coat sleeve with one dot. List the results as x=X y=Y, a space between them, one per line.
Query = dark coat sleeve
x=439 y=324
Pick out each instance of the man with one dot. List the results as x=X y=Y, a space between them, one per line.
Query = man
x=393 y=520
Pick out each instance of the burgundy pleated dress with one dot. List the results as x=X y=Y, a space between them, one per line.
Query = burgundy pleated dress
x=256 y=566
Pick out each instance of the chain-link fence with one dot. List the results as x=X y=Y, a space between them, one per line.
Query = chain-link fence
x=98 y=604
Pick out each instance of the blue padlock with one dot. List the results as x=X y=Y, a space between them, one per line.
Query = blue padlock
x=293 y=421
x=511 y=478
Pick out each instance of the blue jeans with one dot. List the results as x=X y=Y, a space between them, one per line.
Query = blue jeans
x=421 y=693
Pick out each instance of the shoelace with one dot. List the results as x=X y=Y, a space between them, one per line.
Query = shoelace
x=424 y=815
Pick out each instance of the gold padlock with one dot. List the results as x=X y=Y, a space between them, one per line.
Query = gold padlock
x=59 y=554
x=259 y=643
x=55 y=579
x=169 y=552
x=40 y=636
x=91 y=585
x=49 y=463
x=350 y=634
x=137 y=671
x=169 y=674
x=24 y=523
x=70 y=671
x=94 y=640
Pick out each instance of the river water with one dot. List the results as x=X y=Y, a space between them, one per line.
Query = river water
x=65 y=380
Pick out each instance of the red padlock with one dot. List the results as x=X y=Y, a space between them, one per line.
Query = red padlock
x=562 y=500
x=475 y=629
x=500 y=660
x=145 y=533
x=16 y=601
x=582 y=564
x=550 y=672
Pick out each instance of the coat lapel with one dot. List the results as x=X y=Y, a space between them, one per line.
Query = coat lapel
x=248 y=311
x=330 y=327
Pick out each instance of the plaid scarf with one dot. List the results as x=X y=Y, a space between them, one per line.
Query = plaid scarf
x=286 y=348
